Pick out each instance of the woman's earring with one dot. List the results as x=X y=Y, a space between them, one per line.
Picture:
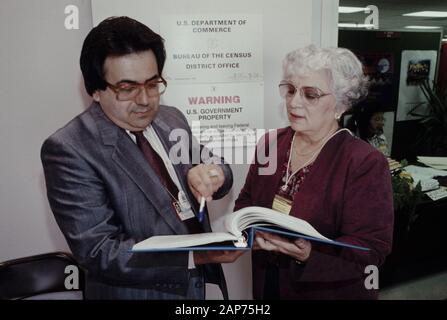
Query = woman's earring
x=337 y=116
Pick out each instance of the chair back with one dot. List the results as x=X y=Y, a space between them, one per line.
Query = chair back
x=40 y=274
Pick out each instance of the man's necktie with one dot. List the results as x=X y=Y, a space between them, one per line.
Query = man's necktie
x=159 y=167
x=156 y=163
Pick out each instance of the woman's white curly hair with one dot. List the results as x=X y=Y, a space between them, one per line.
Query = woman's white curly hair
x=348 y=80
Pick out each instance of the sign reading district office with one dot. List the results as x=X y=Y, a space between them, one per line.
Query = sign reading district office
x=213 y=48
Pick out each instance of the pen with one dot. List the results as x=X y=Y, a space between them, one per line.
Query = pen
x=201 y=209
x=201 y=215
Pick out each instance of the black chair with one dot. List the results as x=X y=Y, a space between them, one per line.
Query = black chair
x=43 y=276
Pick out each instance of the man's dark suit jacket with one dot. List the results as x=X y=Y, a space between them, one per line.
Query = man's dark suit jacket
x=347 y=196
x=106 y=197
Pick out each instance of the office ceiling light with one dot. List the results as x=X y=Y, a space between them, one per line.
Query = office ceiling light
x=422 y=27
x=355 y=25
x=350 y=9
x=427 y=14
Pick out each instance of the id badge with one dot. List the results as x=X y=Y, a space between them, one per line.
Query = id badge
x=282 y=204
x=183 y=214
x=183 y=201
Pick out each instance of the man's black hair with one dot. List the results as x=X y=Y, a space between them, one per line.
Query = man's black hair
x=114 y=37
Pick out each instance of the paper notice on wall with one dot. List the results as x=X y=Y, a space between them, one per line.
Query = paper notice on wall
x=213 y=48
x=216 y=111
x=214 y=69
x=416 y=66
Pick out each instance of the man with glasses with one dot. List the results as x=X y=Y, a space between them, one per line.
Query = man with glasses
x=110 y=180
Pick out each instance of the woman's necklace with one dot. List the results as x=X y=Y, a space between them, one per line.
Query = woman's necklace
x=303 y=154
x=314 y=155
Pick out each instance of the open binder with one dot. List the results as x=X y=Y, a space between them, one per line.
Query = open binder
x=241 y=227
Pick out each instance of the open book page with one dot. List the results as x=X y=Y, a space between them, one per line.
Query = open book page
x=235 y=226
x=187 y=240
x=248 y=217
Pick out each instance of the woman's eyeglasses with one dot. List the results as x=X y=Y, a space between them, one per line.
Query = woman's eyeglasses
x=310 y=94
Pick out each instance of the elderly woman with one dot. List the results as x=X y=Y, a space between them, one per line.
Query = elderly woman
x=324 y=175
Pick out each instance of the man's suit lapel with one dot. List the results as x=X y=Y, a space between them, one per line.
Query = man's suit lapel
x=127 y=155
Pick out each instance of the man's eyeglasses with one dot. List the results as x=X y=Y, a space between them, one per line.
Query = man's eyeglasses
x=129 y=90
x=310 y=94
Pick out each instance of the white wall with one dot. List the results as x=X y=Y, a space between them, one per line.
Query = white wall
x=41 y=89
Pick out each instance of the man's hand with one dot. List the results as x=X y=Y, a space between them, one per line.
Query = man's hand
x=204 y=180
x=298 y=249
x=218 y=256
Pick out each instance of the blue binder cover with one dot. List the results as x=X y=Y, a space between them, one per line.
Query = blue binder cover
x=249 y=236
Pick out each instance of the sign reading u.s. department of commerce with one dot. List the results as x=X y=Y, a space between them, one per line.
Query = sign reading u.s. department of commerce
x=213 y=48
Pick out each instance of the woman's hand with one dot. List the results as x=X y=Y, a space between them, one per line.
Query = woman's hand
x=298 y=249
